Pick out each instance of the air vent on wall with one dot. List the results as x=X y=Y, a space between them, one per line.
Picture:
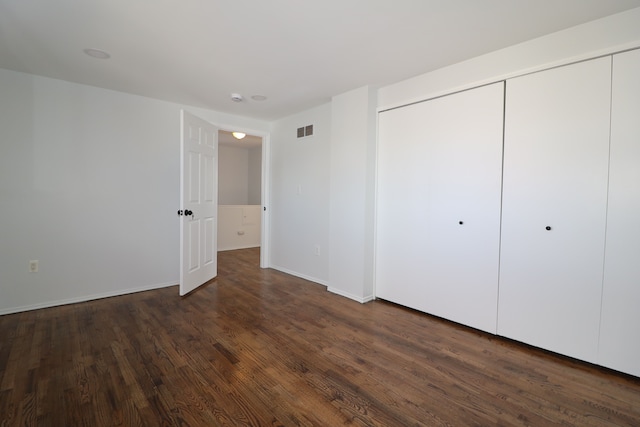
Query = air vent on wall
x=305 y=131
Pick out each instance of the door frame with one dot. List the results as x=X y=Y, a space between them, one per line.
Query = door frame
x=265 y=190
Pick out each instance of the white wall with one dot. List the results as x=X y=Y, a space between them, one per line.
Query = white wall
x=300 y=195
x=240 y=175
x=238 y=226
x=233 y=175
x=604 y=36
x=255 y=176
x=353 y=147
x=89 y=186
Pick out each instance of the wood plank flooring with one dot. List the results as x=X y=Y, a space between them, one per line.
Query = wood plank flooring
x=262 y=348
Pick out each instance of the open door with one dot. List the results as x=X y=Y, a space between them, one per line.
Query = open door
x=199 y=202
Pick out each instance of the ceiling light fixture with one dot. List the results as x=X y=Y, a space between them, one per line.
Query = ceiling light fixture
x=97 y=53
x=236 y=97
x=238 y=135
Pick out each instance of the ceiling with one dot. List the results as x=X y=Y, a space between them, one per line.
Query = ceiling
x=296 y=53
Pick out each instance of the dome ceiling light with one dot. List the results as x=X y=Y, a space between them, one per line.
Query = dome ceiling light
x=238 y=135
x=97 y=53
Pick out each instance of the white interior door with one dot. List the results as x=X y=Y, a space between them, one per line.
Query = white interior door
x=438 y=206
x=619 y=346
x=199 y=202
x=556 y=155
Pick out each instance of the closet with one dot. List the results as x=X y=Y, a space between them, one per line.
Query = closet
x=438 y=205
x=514 y=208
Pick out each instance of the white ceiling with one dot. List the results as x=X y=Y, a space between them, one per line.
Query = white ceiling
x=297 y=53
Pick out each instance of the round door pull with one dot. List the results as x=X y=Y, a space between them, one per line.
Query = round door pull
x=548 y=228
x=460 y=222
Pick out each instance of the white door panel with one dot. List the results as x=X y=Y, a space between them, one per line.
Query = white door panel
x=554 y=207
x=199 y=202
x=194 y=245
x=620 y=326
x=438 y=206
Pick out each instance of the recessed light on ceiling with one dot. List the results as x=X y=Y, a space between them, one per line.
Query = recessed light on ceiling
x=259 y=97
x=97 y=53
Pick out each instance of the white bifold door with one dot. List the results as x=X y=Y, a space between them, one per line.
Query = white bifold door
x=556 y=156
x=199 y=202
x=620 y=324
x=438 y=205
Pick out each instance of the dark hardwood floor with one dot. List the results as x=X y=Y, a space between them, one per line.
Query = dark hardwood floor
x=262 y=348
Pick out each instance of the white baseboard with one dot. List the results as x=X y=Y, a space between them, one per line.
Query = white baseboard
x=85 y=298
x=361 y=300
x=302 y=276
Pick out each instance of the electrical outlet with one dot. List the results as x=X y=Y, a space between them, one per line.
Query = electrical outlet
x=317 y=250
x=33 y=266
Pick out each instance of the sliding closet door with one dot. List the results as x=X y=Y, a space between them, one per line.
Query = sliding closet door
x=554 y=207
x=438 y=206
x=620 y=325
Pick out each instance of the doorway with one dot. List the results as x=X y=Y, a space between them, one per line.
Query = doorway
x=241 y=192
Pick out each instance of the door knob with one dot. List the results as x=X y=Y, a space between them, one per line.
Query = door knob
x=548 y=228
x=180 y=213
x=188 y=212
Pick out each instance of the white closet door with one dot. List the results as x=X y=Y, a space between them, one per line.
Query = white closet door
x=620 y=325
x=554 y=207
x=438 y=206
